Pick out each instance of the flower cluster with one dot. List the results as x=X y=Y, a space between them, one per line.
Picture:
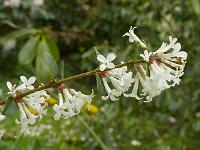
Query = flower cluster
x=70 y=103
x=36 y=101
x=160 y=70
x=165 y=66
x=34 y=106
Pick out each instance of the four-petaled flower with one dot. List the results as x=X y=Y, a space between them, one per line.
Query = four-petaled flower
x=106 y=62
x=26 y=83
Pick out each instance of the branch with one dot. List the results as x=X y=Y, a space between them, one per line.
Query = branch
x=55 y=83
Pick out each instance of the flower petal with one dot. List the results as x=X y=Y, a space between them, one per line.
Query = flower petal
x=177 y=46
x=31 y=80
x=126 y=34
x=9 y=85
x=105 y=97
x=56 y=107
x=32 y=121
x=101 y=58
x=181 y=54
x=102 y=67
x=111 y=57
x=23 y=79
x=21 y=87
x=110 y=65
x=57 y=116
x=65 y=105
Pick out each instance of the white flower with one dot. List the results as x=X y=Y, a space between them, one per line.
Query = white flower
x=149 y=87
x=26 y=83
x=31 y=106
x=165 y=70
x=12 y=3
x=12 y=89
x=135 y=88
x=172 y=119
x=112 y=93
x=60 y=109
x=38 y=102
x=81 y=99
x=38 y=2
x=146 y=55
x=168 y=66
x=106 y=62
x=136 y=143
x=133 y=37
x=176 y=49
x=121 y=81
x=71 y=104
x=26 y=118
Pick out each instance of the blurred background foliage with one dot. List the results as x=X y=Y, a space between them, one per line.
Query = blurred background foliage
x=170 y=122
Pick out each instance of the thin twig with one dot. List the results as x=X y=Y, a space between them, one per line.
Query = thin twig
x=103 y=146
x=55 y=83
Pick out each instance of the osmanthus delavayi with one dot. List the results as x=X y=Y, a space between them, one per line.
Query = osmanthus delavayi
x=143 y=80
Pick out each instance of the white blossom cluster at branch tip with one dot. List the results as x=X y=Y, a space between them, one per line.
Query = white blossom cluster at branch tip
x=36 y=101
x=166 y=66
x=133 y=37
x=70 y=103
x=163 y=70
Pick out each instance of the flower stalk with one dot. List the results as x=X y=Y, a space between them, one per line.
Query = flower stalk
x=55 y=83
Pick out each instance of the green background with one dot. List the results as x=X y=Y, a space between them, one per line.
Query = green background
x=79 y=25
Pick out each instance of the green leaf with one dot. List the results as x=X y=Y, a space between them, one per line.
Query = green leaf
x=100 y=86
x=53 y=48
x=28 y=51
x=196 y=6
x=97 y=52
x=46 y=66
x=10 y=107
x=17 y=34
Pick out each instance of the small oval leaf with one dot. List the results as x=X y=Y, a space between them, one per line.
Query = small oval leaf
x=53 y=48
x=28 y=52
x=46 y=66
x=10 y=107
x=100 y=86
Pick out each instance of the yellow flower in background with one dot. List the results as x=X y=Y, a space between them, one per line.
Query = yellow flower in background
x=32 y=110
x=92 y=108
x=52 y=101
